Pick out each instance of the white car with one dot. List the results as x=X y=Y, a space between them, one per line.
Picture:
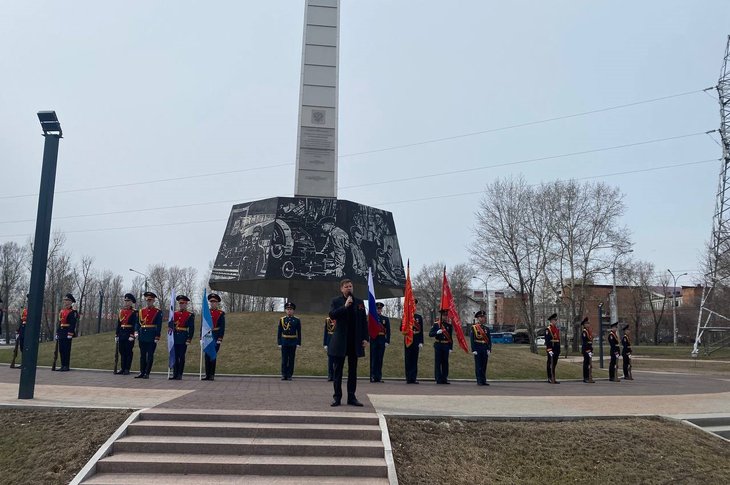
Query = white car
x=540 y=341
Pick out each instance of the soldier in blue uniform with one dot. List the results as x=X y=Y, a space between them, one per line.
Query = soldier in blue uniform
x=329 y=329
x=219 y=329
x=128 y=318
x=378 y=345
x=66 y=330
x=289 y=338
x=411 y=352
x=183 y=329
x=147 y=333
x=586 y=347
x=481 y=347
x=613 y=341
x=626 y=353
x=442 y=331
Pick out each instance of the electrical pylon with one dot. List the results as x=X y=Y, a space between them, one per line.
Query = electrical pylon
x=713 y=324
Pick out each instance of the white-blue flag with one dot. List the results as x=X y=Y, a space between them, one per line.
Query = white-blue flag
x=171 y=331
x=207 y=342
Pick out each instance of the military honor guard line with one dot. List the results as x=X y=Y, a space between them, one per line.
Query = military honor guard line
x=348 y=331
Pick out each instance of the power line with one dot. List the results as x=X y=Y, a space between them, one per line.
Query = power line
x=451 y=172
x=627 y=172
x=377 y=150
x=529 y=160
x=528 y=123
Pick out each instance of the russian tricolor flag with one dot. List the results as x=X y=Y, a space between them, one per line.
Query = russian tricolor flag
x=373 y=324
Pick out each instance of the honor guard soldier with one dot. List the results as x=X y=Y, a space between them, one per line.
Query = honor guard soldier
x=552 y=344
x=183 y=329
x=66 y=330
x=586 y=347
x=329 y=329
x=378 y=345
x=626 y=353
x=289 y=337
x=127 y=321
x=219 y=329
x=613 y=341
x=442 y=331
x=411 y=353
x=481 y=347
x=147 y=332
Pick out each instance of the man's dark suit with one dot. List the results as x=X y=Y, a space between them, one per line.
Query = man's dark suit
x=350 y=331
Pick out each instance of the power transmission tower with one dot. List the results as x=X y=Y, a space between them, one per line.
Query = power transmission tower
x=714 y=306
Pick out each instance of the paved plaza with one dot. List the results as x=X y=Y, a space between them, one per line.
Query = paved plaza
x=652 y=393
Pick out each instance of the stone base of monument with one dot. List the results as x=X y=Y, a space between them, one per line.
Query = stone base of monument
x=300 y=248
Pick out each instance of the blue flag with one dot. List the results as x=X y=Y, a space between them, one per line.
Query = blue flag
x=207 y=342
x=171 y=331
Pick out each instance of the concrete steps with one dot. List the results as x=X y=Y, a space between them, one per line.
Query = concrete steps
x=149 y=479
x=186 y=446
x=718 y=425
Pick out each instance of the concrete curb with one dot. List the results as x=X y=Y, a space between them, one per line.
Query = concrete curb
x=90 y=468
x=388 y=450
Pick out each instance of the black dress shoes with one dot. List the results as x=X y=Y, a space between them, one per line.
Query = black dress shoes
x=139 y=376
x=354 y=402
x=335 y=402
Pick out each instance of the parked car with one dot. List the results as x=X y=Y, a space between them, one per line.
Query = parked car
x=502 y=338
x=521 y=338
x=540 y=341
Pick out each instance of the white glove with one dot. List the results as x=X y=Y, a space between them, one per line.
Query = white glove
x=116 y=339
x=55 y=337
x=489 y=352
x=451 y=350
x=136 y=334
x=439 y=331
x=131 y=339
x=475 y=352
x=298 y=346
x=325 y=347
x=69 y=336
x=279 y=346
x=187 y=342
x=550 y=353
x=386 y=344
x=590 y=355
x=219 y=341
x=420 y=346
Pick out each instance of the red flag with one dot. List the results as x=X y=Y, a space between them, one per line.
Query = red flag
x=409 y=309
x=447 y=303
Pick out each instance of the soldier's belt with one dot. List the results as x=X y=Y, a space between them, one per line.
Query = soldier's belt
x=555 y=341
x=289 y=336
x=126 y=326
x=381 y=335
x=181 y=329
x=148 y=326
x=64 y=325
x=442 y=342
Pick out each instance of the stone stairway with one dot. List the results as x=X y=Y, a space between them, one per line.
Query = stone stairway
x=719 y=425
x=253 y=447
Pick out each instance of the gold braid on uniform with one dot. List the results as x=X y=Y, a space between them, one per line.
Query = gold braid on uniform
x=285 y=326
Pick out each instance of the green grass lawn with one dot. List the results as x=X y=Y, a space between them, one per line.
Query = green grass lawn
x=249 y=347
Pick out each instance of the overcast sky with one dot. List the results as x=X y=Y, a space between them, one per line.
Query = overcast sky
x=153 y=90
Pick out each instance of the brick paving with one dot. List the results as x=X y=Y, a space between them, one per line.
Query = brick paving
x=650 y=393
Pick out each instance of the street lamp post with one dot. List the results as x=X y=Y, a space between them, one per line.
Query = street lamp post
x=486 y=293
x=614 y=303
x=52 y=132
x=145 y=277
x=674 y=305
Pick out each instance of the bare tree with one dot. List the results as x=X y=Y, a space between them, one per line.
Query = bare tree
x=12 y=277
x=159 y=283
x=59 y=281
x=519 y=245
x=636 y=275
x=657 y=306
x=585 y=228
x=427 y=287
x=82 y=278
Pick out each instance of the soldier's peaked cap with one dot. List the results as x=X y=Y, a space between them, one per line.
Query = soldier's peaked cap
x=584 y=321
x=290 y=304
x=480 y=313
x=554 y=316
x=130 y=297
x=149 y=294
x=182 y=298
x=380 y=304
x=69 y=296
x=615 y=324
x=214 y=296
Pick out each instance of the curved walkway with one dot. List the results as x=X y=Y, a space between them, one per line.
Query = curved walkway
x=651 y=393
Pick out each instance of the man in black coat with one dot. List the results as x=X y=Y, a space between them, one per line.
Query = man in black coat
x=348 y=340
